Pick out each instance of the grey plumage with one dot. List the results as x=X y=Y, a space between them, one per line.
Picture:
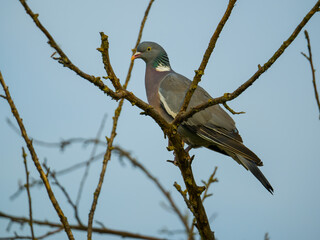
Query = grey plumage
x=212 y=128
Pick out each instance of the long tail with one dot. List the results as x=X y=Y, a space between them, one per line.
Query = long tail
x=256 y=172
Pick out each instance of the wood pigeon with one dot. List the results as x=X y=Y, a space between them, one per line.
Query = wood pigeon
x=212 y=128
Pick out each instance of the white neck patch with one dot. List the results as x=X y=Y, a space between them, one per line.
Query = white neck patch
x=162 y=68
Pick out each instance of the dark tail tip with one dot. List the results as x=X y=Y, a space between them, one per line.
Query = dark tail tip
x=257 y=173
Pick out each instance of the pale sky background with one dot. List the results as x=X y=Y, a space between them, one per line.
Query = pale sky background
x=281 y=124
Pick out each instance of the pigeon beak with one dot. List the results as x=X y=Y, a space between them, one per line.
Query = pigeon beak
x=136 y=55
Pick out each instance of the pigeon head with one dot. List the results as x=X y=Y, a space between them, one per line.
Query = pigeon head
x=152 y=53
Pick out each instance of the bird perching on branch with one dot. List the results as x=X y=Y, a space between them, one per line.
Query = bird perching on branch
x=212 y=127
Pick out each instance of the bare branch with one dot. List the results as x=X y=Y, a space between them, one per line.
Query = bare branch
x=313 y=71
x=205 y=59
x=58 y=173
x=184 y=196
x=144 y=19
x=123 y=234
x=105 y=57
x=67 y=142
x=121 y=92
x=63 y=59
x=207 y=184
x=167 y=194
x=122 y=153
x=104 y=49
x=24 y=156
x=106 y=158
x=92 y=155
x=50 y=233
x=183 y=158
x=230 y=96
x=64 y=191
x=35 y=159
x=231 y=110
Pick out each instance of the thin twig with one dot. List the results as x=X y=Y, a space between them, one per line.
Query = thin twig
x=104 y=49
x=207 y=184
x=65 y=143
x=123 y=234
x=205 y=195
x=313 y=71
x=92 y=155
x=21 y=188
x=79 y=165
x=144 y=19
x=50 y=233
x=35 y=159
x=61 y=144
x=230 y=96
x=66 y=194
x=57 y=173
x=24 y=156
x=184 y=196
x=231 y=110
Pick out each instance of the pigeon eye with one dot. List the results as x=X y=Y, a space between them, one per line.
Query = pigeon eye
x=149 y=48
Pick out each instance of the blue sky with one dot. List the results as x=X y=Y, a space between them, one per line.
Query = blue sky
x=281 y=124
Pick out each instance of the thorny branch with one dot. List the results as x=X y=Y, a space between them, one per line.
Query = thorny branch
x=35 y=159
x=24 y=156
x=313 y=71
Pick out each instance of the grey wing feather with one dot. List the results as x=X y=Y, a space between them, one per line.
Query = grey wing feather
x=212 y=124
x=212 y=128
x=172 y=91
